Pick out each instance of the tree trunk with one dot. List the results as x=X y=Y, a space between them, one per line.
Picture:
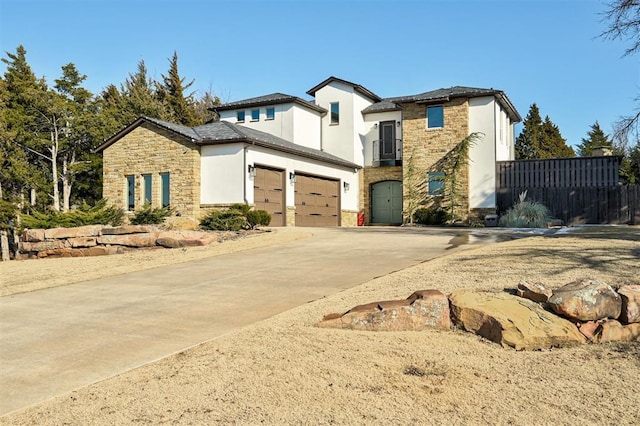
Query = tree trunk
x=0 y=190
x=32 y=197
x=67 y=181
x=4 y=246
x=54 y=169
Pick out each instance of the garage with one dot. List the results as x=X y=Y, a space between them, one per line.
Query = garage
x=317 y=201
x=268 y=193
x=386 y=202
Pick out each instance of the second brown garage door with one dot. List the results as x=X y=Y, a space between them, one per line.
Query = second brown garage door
x=268 y=193
x=317 y=201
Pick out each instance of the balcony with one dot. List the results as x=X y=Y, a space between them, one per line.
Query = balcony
x=387 y=153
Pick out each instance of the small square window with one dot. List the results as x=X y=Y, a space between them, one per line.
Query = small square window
x=335 y=113
x=240 y=116
x=271 y=113
x=435 y=183
x=435 y=117
x=255 y=115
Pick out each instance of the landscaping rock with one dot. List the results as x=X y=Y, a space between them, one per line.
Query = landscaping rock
x=630 y=310
x=130 y=240
x=82 y=242
x=129 y=229
x=43 y=245
x=590 y=330
x=175 y=239
x=81 y=231
x=33 y=235
x=534 y=291
x=511 y=321
x=429 y=309
x=613 y=331
x=586 y=300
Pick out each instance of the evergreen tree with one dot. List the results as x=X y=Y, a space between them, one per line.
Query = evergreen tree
x=596 y=138
x=553 y=145
x=140 y=97
x=23 y=167
x=181 y=108
x=527 y=142
x=540 y=139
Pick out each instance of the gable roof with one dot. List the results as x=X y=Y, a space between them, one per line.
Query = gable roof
x=445 y=95
x=358 y=88
x=223 y=132
x=272 y=99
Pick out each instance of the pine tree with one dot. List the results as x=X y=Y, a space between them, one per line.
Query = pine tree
x=23 y=168
x=181 y=108
x=540 y=139
x=596 y=138
x=553 y=145
x=140 y=97
x=528 y=141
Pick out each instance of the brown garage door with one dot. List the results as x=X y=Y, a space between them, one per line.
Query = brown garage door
x=268 y=194
x=317 y=201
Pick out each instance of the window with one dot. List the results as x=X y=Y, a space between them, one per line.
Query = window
x=147 y=188
x=435 y=183
x=335 y=113
x=435 y=117
x=131 y=193
x=240 y=116
x=271 y=113
x=166 y=189
x=255 y=115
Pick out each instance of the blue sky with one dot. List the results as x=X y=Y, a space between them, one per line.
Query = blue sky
x=542 y=51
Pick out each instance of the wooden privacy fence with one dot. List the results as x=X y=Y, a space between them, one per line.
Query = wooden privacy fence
x=559 y=172
x=581 y=205
x=583 y=190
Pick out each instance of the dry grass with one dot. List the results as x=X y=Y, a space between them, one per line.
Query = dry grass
x=286 y=371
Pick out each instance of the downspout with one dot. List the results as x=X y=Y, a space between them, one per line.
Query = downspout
x=244 y=174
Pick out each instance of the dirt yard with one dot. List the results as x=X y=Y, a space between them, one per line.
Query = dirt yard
x=286 y=371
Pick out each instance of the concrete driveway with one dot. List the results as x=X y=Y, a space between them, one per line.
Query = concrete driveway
x=56 y=340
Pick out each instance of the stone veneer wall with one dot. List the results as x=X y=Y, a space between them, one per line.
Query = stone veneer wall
x=433 y=145
x=349 y=218
x=148 y=149
x=369 y=176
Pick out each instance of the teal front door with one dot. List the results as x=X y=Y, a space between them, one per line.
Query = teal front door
x=386 y=202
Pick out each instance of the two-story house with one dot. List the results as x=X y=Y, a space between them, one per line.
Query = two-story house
x=318 y=162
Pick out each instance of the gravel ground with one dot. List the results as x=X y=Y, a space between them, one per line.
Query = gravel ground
x=286 y=371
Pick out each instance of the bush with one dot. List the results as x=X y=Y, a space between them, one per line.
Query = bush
x=100 y=214
x=526 y=214
x=8 y=213
x=226 y=220
x=149 y=215
x=242 y=208
x=258 y=217
x=430 y=216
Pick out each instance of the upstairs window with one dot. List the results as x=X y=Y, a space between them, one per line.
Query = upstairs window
x=255 y=115
x=435 y=117
x=271 y=113
x=148 y=188
x=240 y=116
x=435 y=183
x=165 y=181
x=335 y=113
x=131 y=193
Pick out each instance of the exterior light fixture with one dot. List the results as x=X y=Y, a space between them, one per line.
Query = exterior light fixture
x=375 y=126
x=345 y=185
x=252 y=170
x=398 y=124
x=292 y=177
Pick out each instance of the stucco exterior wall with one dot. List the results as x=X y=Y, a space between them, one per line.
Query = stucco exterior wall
x=482 y=155
x=222 y=174
x=428 y=147
x=148 y=149
x=337 y=139
x=372 y=133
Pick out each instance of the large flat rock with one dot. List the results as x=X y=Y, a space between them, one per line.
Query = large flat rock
x=512 y=321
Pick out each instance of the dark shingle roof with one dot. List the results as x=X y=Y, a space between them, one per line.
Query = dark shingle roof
x=444 y=95
x=358 y=88
x=272 y=99
x=222 y=132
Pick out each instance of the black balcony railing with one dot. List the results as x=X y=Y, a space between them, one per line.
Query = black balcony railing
x=391 y=155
